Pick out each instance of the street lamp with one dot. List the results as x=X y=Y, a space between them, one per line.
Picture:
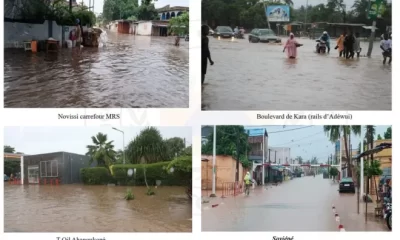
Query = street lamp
x=123 y=140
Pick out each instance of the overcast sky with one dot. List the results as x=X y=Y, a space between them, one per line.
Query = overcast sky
x=98 y=4
x=35 y=140
x=308 y=142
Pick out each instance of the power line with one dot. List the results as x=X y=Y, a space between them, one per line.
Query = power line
x=293 y=129
x=299 y=139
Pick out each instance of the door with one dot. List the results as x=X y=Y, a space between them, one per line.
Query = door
x=33 y=174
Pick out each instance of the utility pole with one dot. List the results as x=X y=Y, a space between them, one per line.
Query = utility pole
x=265 y=10
x=269 y=165
x=305 y=20
x=374 y=15
x=237 y=156
x=349 y=168
x=213 y=162
x=275 y=157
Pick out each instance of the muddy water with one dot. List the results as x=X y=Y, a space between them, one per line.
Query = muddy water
x=301 y=204
x=130 y=71
x=258 y=76
x=78 y=208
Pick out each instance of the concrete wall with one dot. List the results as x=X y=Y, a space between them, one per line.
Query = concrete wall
x=16 y=33
x=225 y=171
x=144 y=28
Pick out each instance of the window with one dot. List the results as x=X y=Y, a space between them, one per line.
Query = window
x=49 y=168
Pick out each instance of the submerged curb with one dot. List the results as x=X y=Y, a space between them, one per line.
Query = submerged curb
x=337 y=218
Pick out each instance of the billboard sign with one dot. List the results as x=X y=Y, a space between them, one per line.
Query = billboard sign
x=376 y=9
x=278 y=13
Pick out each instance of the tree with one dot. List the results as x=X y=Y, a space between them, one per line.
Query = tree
x=120 y=9
x=9 y=149
x=335 y=132
x=333 y=172
x=147 y=147
x=299 y=159
x=314 y=160
x=379 y=137
x=231 y=140
x=102 y=152
x=175 y=147
x=388 y=133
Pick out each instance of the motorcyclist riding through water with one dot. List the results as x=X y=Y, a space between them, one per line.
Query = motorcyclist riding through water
x=325 y=37
x=236 y=30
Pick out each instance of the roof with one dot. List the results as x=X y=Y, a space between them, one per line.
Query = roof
x=168 y=8
x=254 y=132
x=377 y=149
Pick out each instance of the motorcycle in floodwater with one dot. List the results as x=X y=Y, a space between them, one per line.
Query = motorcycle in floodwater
x=387 y=215
x=321 y=46
x=238 y=35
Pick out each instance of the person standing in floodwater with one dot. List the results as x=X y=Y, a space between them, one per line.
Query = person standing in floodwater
x=205 y=52
x=357 y=45
x=291 y=46
x=78 y=33
x=340 y=44
x=386 y=46
x=349 y=41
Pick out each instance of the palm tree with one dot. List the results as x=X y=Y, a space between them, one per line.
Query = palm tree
x=370 y=136
x=102 y=152
x=147 y=147
x=334 y=132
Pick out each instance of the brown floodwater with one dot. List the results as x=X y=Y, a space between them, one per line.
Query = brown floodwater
x=129 y=72
x=258 y=76
x=81 y=208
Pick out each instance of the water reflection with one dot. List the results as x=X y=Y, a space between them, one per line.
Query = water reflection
x=78 y=208
x=129 y=71
x=258 y=76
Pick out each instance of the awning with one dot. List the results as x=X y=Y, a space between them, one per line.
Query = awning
x=377 y=149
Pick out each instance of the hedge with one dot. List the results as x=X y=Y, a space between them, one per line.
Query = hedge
x=154 y=172
x=95 y=175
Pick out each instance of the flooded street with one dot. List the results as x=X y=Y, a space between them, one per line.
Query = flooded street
x=129 y=72
x=78 y=208
x=301 y=204
x=258 y=76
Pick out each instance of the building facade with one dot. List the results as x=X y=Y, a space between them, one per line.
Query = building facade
x=168 y=12
x=61 y=166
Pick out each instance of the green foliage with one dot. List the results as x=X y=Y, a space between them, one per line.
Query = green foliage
x=9 y=149
x=229 y=139
x=147 y=147
x=299 y=159
x=128 y=9
x=150 y=192
x=154 y=172
x=388 y=133
x=11 y=167
x=57 y=10
x=129 y=195
x=95 y=175
x=174 y=146
x=102 y=152
x=371 y=168
x=179 y=25
x=333 y=171
x=251 y=14
x=181 y=164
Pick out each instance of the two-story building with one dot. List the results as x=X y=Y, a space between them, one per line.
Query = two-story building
x=167 y=12
x=258 y=141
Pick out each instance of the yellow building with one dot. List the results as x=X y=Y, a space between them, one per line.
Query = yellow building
x=385 y=159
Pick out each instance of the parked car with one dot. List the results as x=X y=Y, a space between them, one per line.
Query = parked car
x=223 y=32
x=263 y=35
x=347 y=185
x=6 y=178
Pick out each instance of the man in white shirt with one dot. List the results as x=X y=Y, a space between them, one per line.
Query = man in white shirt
x=386 y=46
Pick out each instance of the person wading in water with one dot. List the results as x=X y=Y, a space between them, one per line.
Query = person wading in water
x=205 y=52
